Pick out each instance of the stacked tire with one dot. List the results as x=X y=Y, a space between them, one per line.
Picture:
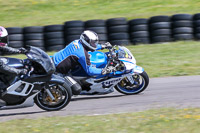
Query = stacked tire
x=160 y=29
x=182 y=27
x=98 y=26
x=118 y=33
x=73 y=30
x=138 y=29
x=54 y=37
x=15 y=37
x=33 y=36
x=196 y=20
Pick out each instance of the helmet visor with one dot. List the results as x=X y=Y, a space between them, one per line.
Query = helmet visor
x=94 y=43
x=3 y=40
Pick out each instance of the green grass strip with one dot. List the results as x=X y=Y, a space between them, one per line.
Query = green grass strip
x=46 y=12
x=150 y=121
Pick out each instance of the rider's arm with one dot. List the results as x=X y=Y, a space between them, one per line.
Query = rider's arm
x=99 y=47
x=10 y=50
x=89 y=69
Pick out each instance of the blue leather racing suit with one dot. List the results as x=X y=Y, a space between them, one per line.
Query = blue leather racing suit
x=72 y=55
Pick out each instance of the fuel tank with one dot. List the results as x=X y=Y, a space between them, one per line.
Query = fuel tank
x=13 y=62
x=98 y=59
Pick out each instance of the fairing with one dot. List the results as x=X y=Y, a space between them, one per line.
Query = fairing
x=126 y=57
x=37 y=55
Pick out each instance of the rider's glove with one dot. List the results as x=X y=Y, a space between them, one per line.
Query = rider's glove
x=106 y=45
x=107 y=70
x=23 y=50
x=23 y=73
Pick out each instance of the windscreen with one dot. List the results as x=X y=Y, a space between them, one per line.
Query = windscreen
x=124 y=53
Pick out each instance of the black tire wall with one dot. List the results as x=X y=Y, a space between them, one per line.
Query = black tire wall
x=118 y=31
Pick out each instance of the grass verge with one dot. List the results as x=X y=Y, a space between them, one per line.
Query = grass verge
x=151 y=121
x=46 y=12
x=161 y=60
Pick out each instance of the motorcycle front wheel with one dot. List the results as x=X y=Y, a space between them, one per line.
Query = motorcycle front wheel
x=62 y=96
x=141 y=82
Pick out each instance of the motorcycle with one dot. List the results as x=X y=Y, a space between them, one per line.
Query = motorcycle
x=40 y=86
x=126 y=77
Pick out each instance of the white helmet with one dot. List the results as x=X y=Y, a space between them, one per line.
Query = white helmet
x=89 y=39
x=3 y=36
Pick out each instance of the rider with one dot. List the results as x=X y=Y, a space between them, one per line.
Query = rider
x=76 y=53
x=5 y=69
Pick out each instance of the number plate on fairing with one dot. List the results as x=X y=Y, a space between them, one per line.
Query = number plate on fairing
x=130 y=78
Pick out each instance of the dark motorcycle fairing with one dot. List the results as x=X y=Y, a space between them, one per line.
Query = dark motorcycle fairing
x=37 y=55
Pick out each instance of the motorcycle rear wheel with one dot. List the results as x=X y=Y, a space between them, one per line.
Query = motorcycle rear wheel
x=141 y=83
x=61 y=94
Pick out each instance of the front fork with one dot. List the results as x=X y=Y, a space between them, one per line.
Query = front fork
x=47 y=89
x=136 y=70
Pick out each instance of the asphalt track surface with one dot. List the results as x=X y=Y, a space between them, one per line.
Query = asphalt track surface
x=179 y=92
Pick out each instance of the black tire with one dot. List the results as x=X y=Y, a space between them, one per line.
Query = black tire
x=183 y=37
x=116 y=21
x=178 y=17
x=118 y=36
x=131 y=91
x=118 y=29
x=141 y=21
x=182 y=23
x=16 y=44
x=196 y=16
x=197 y=23
x=53 y=35
x=49 y=105
x=140 y=34
x=14 y=30
x=53 y=28
x=16 y=37
x=140 y=41
x=156 y=19
x=197 y=36
x=183 y=30
x=102 y=41
x=74 y=31
x=159 y=39
x=74 y=24
x=139 y=28
x=33 y=36
x=36 y=43
x=54 y=42
x=34 y=29
x=98 y=30
x=103 y=37
x=55 y=48
x=197 y=30
x=160 y=25
x=120 y=42
x=72 y=38
x=95 y=23
x=161 y=32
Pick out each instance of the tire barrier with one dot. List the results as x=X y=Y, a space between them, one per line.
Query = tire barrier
x=54 y=37
x=34 y=36
x=16 y=37
x=182 y=27
x=98 y=26
x=196 y=20
x=160 y=29
x=73 y=30
x=139 y=31
x=118 y=31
